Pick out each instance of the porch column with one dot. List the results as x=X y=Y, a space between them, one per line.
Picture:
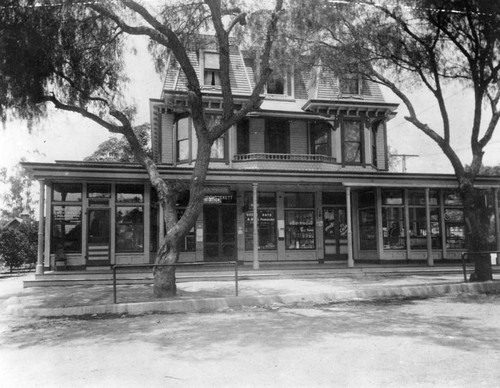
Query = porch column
x=255 y=230
x=350 y=259
x=430 y=259
x=41 y=230
x=497 y=222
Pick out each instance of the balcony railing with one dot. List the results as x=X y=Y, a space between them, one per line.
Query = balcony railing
x=285 y=157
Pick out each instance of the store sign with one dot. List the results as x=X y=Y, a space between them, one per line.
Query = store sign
x=217 y=199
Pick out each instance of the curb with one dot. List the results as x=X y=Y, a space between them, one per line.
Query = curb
x=220 y=304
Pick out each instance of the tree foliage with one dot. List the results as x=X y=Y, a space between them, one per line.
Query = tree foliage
x=117 y=149
x=18 y=246
x=70 y=54
x=19 y=193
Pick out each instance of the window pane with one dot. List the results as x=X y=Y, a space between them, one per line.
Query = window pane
x=217 y=151
x=393 y=230
x=183 y=129
x=276 y=84
x=301 y=200
x=129 y=193
x=277 y=136
x=416 y=197
x=183 y=150
x=367 y=237
x=211 y=60
x=452 y=198
x=129 y=229
x=66 y=229
x=98 y=191
x=212 y=78
x=353 y=152
x=352 y=130
x=66 y=192
x=334 y=198
x=266 y=229
x=299 y=229
x=392 y=197
x=320 y=139
x=349 y=85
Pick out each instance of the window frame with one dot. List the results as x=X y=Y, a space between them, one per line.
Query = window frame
x=361 y=141
x=312 y=142
x=214 y=70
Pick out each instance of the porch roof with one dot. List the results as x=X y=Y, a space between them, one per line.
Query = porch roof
x=125 y=172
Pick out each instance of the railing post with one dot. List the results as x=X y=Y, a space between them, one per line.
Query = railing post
x=114 y=284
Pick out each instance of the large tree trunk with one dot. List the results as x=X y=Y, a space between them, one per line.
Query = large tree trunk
x=164 y=276
x=477 y=218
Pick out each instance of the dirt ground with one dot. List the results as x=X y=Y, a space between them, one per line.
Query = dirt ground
x=441 y=342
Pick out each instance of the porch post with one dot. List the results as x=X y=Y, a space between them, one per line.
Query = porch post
x=497 y=222
x=255 y=230
x=430 y=259
x=350 y=259
x=41 y=230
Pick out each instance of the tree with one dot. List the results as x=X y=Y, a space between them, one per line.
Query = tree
x=18 y=246
x=117 y=149
x=430 y=44
x=70 y=54
x=19 y=195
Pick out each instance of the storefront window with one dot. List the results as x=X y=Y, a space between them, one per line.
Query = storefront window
x=367 y=223
x=393 y=220
x=66 y=229
x=299 y=224
x=130 y=193
x=266 y=213
x=418 y=219
x=129 y=229
x=454 y=220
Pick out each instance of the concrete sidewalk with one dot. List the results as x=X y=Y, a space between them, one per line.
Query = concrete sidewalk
x=204 y=296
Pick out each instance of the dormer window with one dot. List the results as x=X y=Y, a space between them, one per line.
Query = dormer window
x=279 y=84
x=350 y=84
x=211 y=69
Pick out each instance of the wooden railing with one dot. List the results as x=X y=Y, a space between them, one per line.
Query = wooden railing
x=285 y=157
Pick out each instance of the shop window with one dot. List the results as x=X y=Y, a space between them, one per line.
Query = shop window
x=319 y=139
x=418 y=219
x=277 y=136
x=98 y=191
x=66 y=192
x=66 y=233
x=266 y=222
x=454 y=220
x=367 y=220
x=300 y=232
x=352 y=141
x=212 y=69
x=243 y=137
x=393 y=221
x=129 y=229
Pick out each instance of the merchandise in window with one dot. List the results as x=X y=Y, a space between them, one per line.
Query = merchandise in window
x=266 y=221
x=454 y=220
x=300 y=232
x=129 y=229
x=393 y=230
x=66 y=229
x=367 y=223
x=418 y=219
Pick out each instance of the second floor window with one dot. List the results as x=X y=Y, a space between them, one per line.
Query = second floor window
x=352 y=141
x=243 y=137
x=277 y=137
x=211 y=69
x=187 y=142
x=319 y=137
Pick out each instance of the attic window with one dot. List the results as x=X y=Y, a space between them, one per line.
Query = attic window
x=212 y=69
x=350 y=84
x=279 y=84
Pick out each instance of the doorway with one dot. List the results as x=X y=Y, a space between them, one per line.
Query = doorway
x=335 y=232
x=98 y=237
x=220 y=232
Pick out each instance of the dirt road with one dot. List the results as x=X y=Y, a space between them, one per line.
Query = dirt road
x=442 y=342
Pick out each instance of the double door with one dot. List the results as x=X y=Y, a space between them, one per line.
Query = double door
x=335 y=232
x=220 y=232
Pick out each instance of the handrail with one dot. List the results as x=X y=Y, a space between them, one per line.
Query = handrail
x=468 y=253
x=209 y=264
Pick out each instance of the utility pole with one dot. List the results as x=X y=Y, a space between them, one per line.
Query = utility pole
x=403 y=159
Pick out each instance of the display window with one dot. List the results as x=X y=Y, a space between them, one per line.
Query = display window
x=300 y=231
x=266 y=213
x=393 y=221
x=66 y=229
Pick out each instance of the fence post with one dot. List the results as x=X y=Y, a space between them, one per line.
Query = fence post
x=114 y=284
x=464 y=268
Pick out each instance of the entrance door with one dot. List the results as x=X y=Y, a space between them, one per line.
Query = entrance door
x=220 y=232
x=335 y=232
x=98 y=237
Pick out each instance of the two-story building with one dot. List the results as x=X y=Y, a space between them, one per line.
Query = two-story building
x=308 y=170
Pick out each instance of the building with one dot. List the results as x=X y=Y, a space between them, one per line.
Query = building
x=308 y=169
